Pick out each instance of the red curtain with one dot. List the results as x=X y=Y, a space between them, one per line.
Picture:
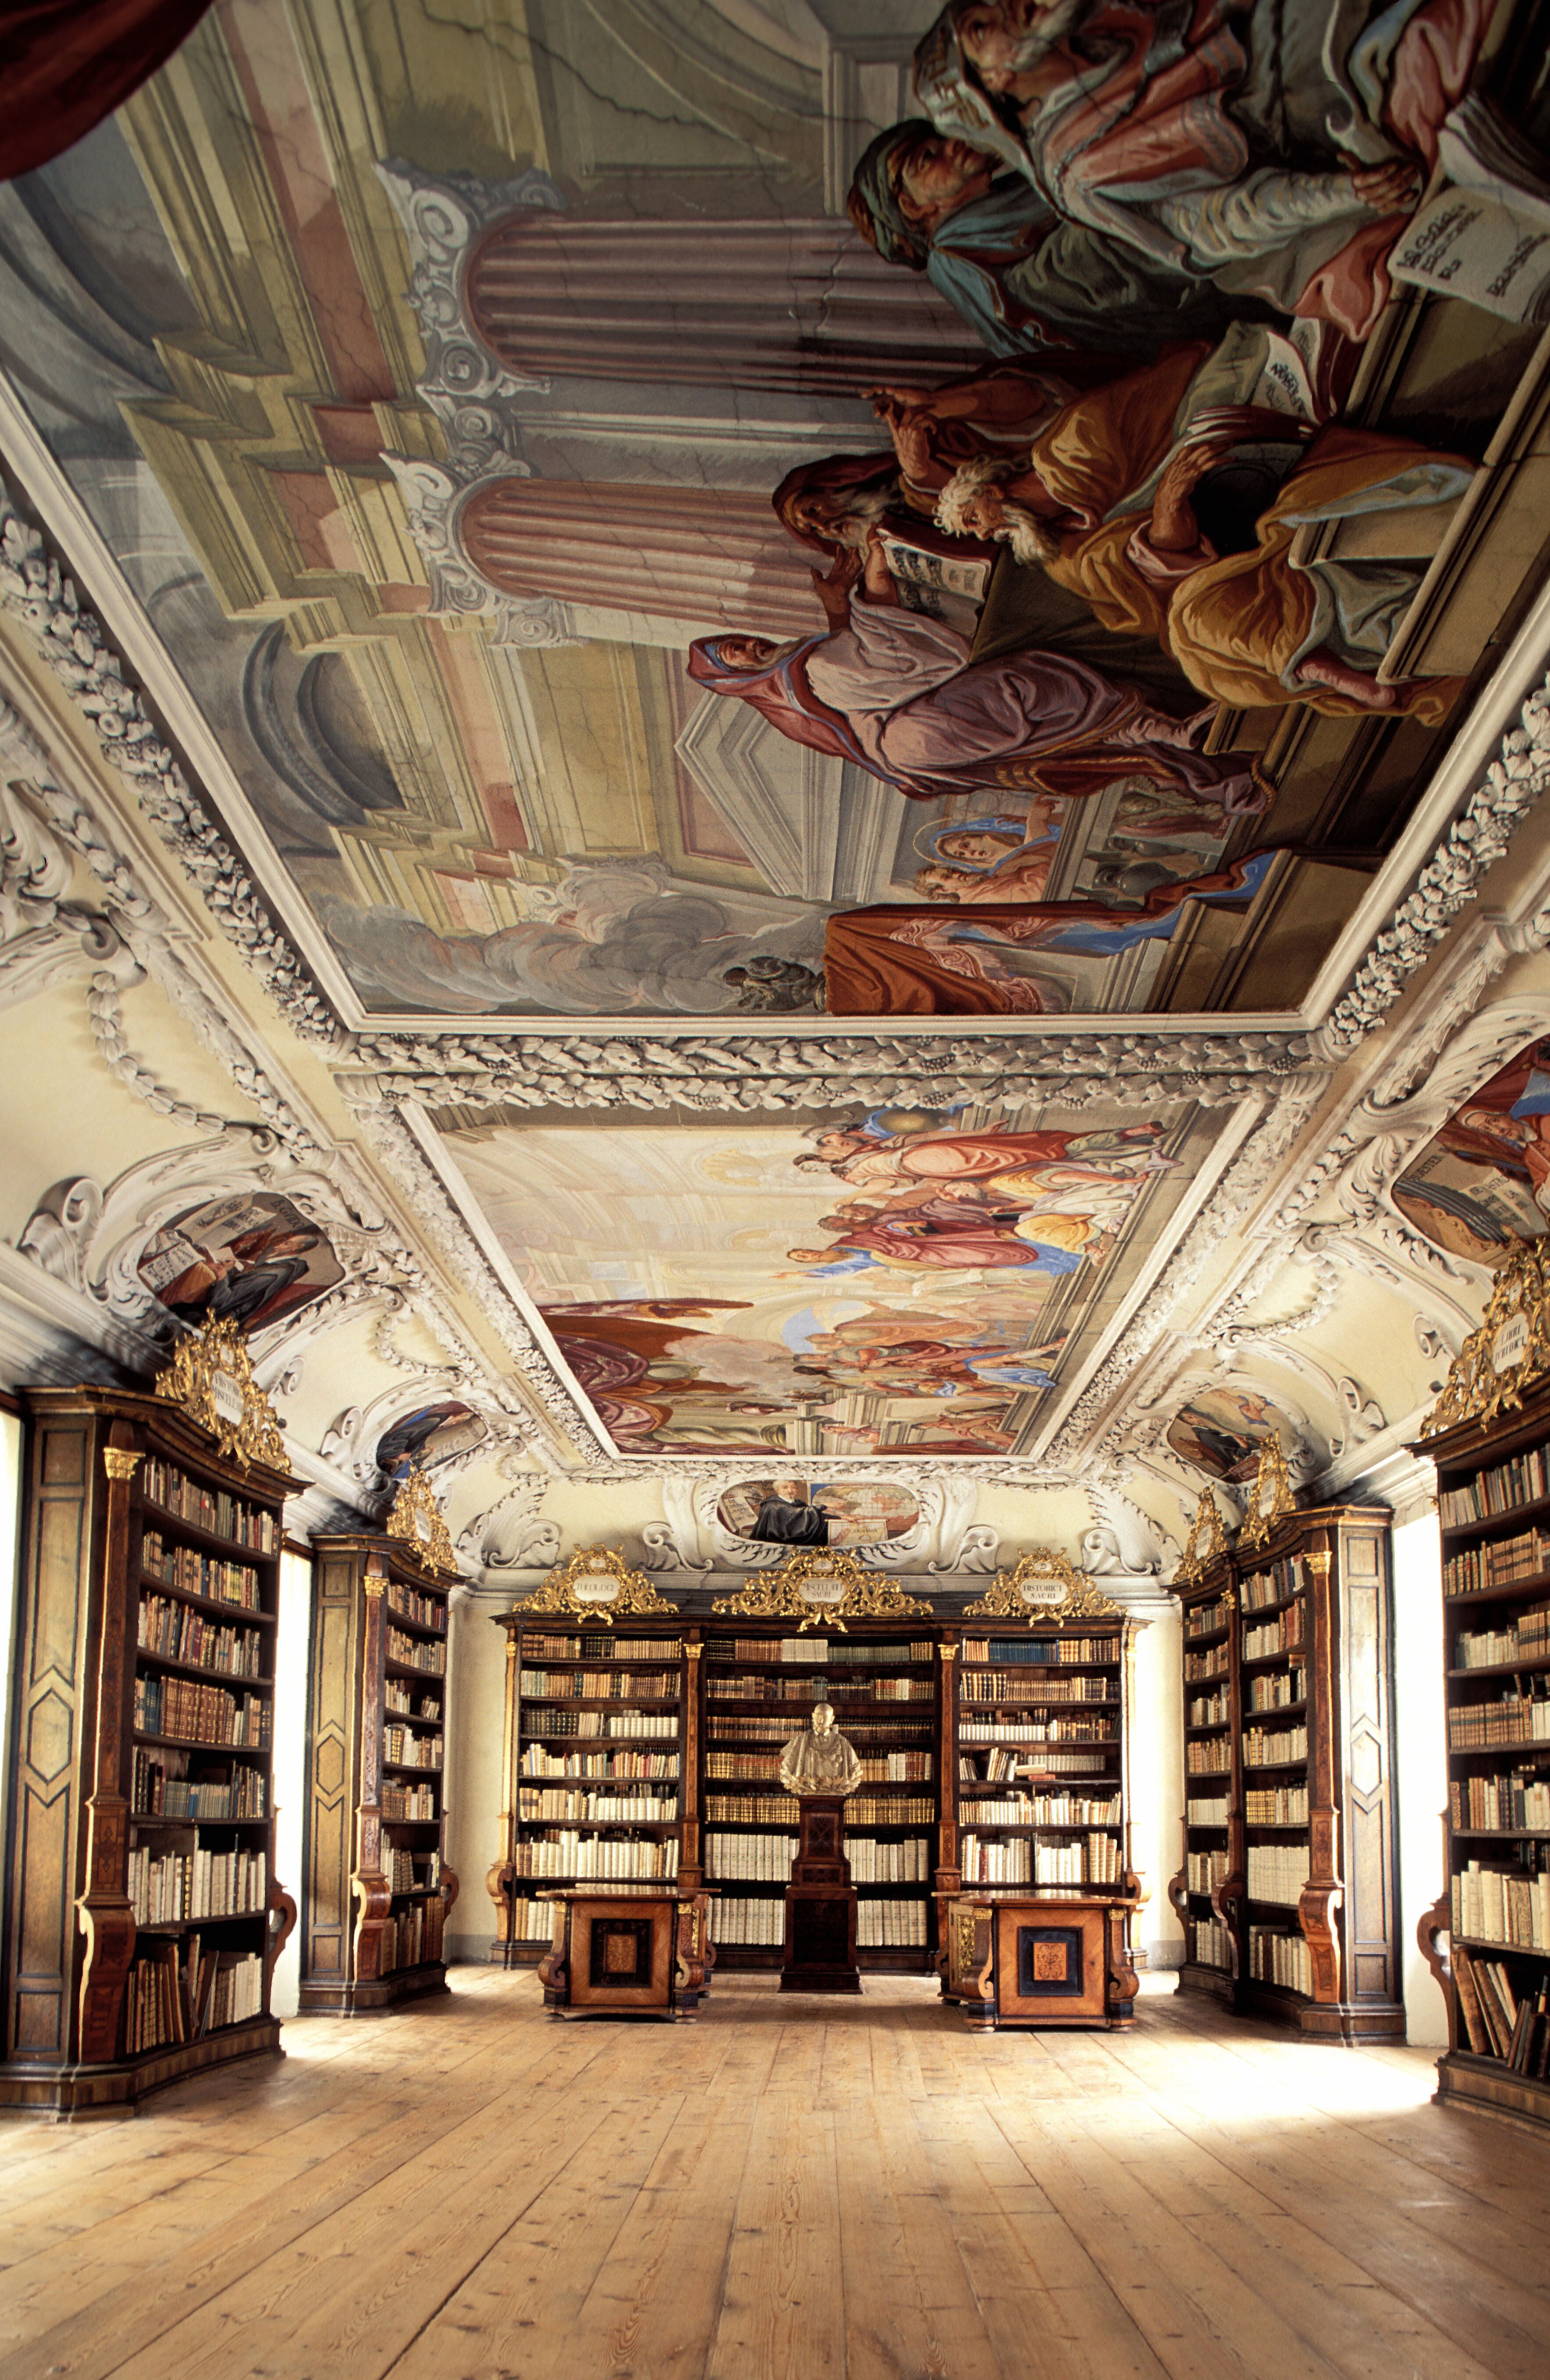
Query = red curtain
x=66 y=64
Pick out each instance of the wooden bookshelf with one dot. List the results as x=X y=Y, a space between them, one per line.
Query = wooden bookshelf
x=1213 y=1785
x=376 y=1890
x=1288 y=1896
x=596 y=1742
x=761 y=1681
x=1494 y=1507
x=142 y=1915
x=1042 y=1725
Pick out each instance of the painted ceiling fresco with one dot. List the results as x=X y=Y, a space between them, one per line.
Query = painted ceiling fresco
x=704 y=508
x=1483 y=1182
x=881 y=1281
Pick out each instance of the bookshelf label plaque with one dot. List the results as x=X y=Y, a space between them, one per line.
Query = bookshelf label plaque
x=1511 y=1343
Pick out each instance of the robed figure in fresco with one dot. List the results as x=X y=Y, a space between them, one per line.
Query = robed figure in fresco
x=898 y=694
x=1276 y=153
x=786 y=1518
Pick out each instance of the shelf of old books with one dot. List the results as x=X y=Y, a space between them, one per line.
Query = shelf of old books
x=761 y=1684
x=1041 y=1766
x=1212 y=1823
x=599 y=1735
x=1287 y=1891
x=376 y=1890
x=150 y=1566
x=1494 y=1507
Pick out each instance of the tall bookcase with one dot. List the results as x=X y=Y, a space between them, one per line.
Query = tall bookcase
x=1041 y=1738
x=1212 y=1782
x=1494 y=1506
x=600 y=1751
x=142 y=1915
x=375 y=1887
x=1288 y=1893
x=761 y=1686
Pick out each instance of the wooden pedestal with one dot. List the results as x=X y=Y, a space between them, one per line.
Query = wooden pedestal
x=821 y=1904
x=645 y=1953
x=1052 y=1960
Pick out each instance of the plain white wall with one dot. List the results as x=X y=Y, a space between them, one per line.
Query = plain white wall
x=1421 y=1762
x=1157 y=1782
x=290 y=1757
x=475 y=1718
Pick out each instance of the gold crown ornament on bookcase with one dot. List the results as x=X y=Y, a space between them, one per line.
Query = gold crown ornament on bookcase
x=595 y=1584
x=1197 y=1558
x=1509 y=1351
x=416 y=1517
x=1271 y=1475
x=821 y=1590
x=1044 y=1586
x=211 y=1376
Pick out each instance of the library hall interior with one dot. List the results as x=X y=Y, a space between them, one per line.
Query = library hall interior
x=775 y=1189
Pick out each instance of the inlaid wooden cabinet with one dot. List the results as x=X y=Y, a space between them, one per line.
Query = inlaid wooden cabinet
x=376 y=1890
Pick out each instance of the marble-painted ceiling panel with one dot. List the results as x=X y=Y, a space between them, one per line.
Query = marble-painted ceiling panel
x=688 y=508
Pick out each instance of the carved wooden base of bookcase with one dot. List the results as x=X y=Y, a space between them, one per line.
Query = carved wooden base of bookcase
x=518 y=1954
x=1212 y=1982
x=370 y=2000
x=75 y=2095
x=1323 y=2020
x=1489 y=2088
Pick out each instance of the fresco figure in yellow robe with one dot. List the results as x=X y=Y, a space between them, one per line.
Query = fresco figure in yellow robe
x=1172 y=506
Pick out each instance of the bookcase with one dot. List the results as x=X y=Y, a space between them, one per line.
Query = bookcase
x=1493 y=1508
x=600 y=1759
x=1042 y=1737
x=1212 y=1782
x=376 y=1890
x=1289 y=1892
x=761 y=1684
x=143 y=1916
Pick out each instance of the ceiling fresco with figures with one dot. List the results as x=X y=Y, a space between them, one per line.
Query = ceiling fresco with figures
x=758 y=756
x=907 y=518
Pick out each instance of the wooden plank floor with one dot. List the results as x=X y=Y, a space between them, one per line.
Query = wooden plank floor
x=787 y=2189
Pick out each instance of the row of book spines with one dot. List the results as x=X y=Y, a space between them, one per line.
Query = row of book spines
x=600 y=1649
x=1526 y=1639
x=209 y=1508
x=1029 y=1810
x=803 y=1690
x=170 y=1632
x=199 y=1714
x=170 y=2001
x=398 y=1700
x=733 y=1726
x=891 y=1926
x=1210 y=1944
x=1002 y=1686
x=1496 y=2024
x=1277 y=1806
x=413 y=1653
x=892 y=1769
x=183 y=1885
x=426 y=1610
x=412 y=1939
x=603 y=1685
x=1263 y=1641
x=1500 y=1564
x=1517 y=1804
x=407 y=1750
x=1277 y=1872
x=1282 y=1959
x=815 y=1652
x=192 y=1572
x=413 y=1871
x=609 y=1725
x=780 y=1810
x=1285 y=1578
x=162 y=1787
x=413 y=1804
x=1496 y=1725
x=1036 y=1652
x=1522 y=1479
x=1094 y=1861
x=630 y=1767
x=540 y=1803
x=1205 y=1618
x=560 y=1853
